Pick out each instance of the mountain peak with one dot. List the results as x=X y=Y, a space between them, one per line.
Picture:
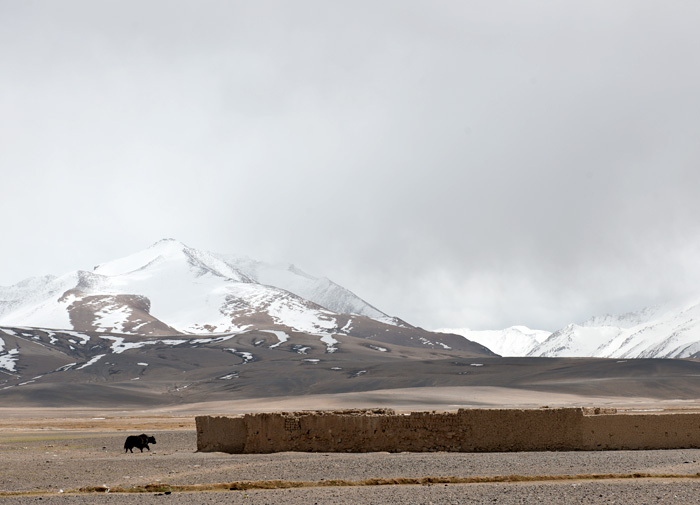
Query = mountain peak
x=163 y=249
x=171 y=285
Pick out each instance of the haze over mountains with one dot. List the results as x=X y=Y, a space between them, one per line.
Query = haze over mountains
x=172 y=289
x=172 y=324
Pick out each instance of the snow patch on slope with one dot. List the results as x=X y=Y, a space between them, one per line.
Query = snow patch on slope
x=8 y=361
x=119 y=345
x=282 y=337
x=92 y=361
x=114 y=316
x=330 y=343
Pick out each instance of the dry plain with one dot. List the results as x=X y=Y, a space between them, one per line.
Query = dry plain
x=74 y=456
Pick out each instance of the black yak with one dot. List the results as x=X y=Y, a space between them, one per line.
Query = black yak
x=138 y=441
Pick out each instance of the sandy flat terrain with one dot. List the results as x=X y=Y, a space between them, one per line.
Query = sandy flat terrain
x=404 y=399
x=433 y=398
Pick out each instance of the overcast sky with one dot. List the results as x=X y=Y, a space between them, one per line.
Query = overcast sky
x=477 y=164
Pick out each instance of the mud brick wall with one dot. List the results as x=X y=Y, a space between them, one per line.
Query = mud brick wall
x=641 y=431
x=473 y=430
x=221 y=434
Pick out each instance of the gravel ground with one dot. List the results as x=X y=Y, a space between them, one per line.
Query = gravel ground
x=54 y=460
x=610 y=492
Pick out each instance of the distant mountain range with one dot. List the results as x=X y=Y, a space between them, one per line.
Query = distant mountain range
x=668 y=331
x=513 y=341
x=57 y=368
x=171 y=289
x=173 y=324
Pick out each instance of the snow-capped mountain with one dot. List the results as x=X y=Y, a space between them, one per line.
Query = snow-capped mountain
x=665 y=331
x=322 y=291
x=513 y=341
x=175 y=322
x=656 y=332
x=171 y=289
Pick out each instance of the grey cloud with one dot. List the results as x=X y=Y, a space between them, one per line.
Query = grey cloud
x=457 y=164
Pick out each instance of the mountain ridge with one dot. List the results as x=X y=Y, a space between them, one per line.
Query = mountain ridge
x=172 y=289
x=660 y=331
